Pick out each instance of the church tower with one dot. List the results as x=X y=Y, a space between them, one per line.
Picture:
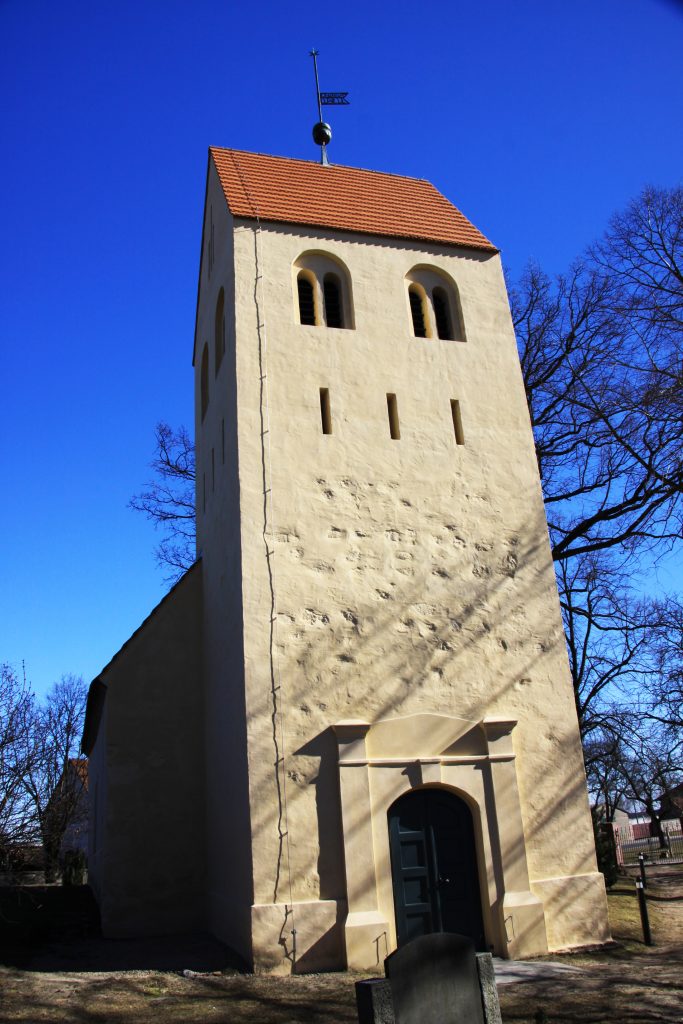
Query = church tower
x=391 y=744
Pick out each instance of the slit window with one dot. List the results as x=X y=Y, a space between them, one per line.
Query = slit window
x=213 y=471
x=417 y=310
x=392 y=409
x=306 y=300
x=457 y=421
x=204 y=381
x=325 y=411
x=222 y=442
x=442 y=314
x=333 y=306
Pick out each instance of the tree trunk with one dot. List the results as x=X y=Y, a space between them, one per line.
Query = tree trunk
x=656 y=826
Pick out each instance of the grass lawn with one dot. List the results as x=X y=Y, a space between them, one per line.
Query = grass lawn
x=627 y=983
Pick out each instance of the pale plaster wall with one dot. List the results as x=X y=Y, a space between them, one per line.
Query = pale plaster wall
x=229 y=892
x=410 y=576
x=147 y=768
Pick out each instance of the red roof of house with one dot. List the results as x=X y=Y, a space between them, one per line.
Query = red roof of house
x=80 y=766
x=274 y=188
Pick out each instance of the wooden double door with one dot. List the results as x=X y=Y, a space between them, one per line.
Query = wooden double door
x=434 y=866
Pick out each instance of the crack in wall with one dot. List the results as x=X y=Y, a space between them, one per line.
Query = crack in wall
x=269 y=547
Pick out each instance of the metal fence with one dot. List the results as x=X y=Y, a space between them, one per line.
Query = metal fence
x=628 y=849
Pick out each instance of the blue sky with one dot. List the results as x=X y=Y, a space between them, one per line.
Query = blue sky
x=538 y=119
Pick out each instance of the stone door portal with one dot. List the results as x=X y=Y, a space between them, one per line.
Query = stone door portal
x=434 y=866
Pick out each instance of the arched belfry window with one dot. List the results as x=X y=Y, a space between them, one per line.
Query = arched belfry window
x=417 y=310
x=332 y=291
x=305 y=284
x=219 y=334
x=434 y=304
x=204 y=381
x=323 y=295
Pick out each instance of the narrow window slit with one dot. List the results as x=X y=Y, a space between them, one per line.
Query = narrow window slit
x=306 y=300
x=333 y=307
x=222 y=442
x=392 y=409
x=325 y=411
x=418 y=313
x=457 y=421
x=213 y=471
x=441 y=314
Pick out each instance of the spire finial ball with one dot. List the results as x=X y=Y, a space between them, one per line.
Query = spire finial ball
x=322 y=133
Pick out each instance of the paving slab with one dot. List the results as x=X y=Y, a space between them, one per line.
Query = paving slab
x=508 y=971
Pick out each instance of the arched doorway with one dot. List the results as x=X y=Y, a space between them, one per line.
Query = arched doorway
x=434 y=866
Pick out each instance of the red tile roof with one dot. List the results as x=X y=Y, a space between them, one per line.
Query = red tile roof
x=273 y=188
x=80 y=766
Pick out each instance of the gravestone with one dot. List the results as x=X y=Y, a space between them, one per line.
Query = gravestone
x=374 y=1002
x=435 y=979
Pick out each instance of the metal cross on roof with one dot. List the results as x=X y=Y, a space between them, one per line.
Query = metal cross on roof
x=322 y=133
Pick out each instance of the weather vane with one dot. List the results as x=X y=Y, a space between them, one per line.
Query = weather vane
x=322 y=133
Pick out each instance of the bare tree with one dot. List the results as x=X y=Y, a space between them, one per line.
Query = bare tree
x=17 y=819
x=642 y=249
x=52 y=779
x=649 y=760
x=606 y=783
x=662 y=699
x=169 y=499
x=601 y=349
x=602 y=359
x=609 y=634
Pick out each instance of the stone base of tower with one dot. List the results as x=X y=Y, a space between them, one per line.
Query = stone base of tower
x=303 y=938
x=521 y=926
x=420 y=776
x=575 y=910
x=367 y=940
x=319 y=935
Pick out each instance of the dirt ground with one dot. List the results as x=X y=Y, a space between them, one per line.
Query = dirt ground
x=67 y=983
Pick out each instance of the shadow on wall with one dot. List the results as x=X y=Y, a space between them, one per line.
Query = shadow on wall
x=451 y=625
x=434 y=621
x=328 y=808
x=328 y=952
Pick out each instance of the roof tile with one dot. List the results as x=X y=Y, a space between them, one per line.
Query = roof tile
x=279 y=189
